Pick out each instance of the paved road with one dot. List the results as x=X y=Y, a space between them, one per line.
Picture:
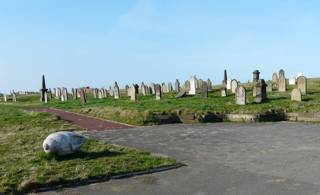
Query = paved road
x=244 y=159
x=86 y=122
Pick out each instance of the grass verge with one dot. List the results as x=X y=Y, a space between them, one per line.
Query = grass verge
x=24 y=166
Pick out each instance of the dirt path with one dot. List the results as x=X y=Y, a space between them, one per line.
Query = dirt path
x=89 y=123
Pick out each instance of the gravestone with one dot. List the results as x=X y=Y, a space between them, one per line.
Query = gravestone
x=133 y=93
x=224 y=91
x=275 y=78
x=270 y=86
x=111 y=92
x=45 y=97
x=228 y=84
x=282 y=81
x=296 y=95
x=143 y=89
x=241 y=96
x=164 y=88
x=181 y=94
x=100 y=94
x=261 y=91
x=5 y=98
x=193 y=85
x=199 y=84
x=170 y=88
x=83 y=96
x=152 y=88
x=209 y=85
x=177 y=86
x=116 y=91
x=158 y=91
x=54 y=91
x=65 y=94
x=204 y=90
x=75 y=95
x=234 y=85
x=225 y=78
x=256 y=75
x=187 y=86
x=95 y=93
x=127 y=88
x=14 y=97
x=43 y=89
x=302 y=84
x=136 y=87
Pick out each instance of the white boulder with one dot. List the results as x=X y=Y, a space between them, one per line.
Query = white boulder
x=63 y=143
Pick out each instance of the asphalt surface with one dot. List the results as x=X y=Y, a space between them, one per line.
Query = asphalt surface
x=221 y=158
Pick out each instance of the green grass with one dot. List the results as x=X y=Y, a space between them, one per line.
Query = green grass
x=24 y=166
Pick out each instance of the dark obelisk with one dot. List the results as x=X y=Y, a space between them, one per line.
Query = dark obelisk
x=43 y=89
x=225 y=79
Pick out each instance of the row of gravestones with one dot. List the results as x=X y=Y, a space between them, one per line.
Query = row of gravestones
x=191 y=87
x=12 y=97
x=280 y=82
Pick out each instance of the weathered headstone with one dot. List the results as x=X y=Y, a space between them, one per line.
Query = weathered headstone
x=199 y=84
x=270 y=86
x=204 y=90
x=209 y=85
x=241 y=96
x=187 y=86
x=225 y=78
x=256 y=75
x=143 y=89
x=5 y=98
x=65 y=94
x=296 y=95
x=116 y=91
x=193 y=85
x=136 y=87
x=224 y=91
x=45 y=97
x=170 y=88
x=228 y=84
x=282 y=81
x=83 y=96
x=181 y=94
x=164 y=88
x=127 y=89
x=261 y=91
x=275 y=78
x=302 y=84
x=14 y=97
x=177 y=86
x=133 y=93
x=158 y=91
x=111 y=92
x=152 y=88
x=234 y=85
x=43 y=89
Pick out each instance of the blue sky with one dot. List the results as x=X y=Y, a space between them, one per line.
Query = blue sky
x=94 y=43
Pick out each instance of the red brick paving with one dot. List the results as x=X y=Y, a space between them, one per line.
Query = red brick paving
x=86 y=122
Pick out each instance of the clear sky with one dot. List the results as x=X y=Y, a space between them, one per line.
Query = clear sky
x=94 y=43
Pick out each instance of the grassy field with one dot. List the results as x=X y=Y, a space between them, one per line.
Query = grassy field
x=145 y=110
x=24 y=166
